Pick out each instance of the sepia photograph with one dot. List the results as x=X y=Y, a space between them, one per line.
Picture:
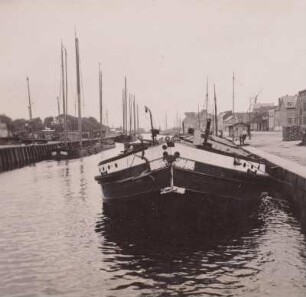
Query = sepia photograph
x=152 y=148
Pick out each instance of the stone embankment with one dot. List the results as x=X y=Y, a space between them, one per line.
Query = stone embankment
x=286 y=163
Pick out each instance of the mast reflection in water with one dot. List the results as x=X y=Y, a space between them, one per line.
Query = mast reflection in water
x=56 y=238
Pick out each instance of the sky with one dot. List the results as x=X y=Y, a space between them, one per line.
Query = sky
x=166 y=48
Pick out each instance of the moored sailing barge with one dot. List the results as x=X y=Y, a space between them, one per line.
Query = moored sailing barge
x=63 y=151
x=199 y=165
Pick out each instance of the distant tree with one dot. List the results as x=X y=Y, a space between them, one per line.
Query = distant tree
x=90 y=124
x=72 y=123
x=49 y=122
x=6 y=120
x=93 y=121
x=19 y=125
x=24 y=127
x=36 y=124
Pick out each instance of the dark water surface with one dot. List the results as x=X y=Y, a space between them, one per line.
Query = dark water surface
x=57 y=240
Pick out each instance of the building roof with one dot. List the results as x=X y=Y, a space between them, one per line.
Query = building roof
x=190 y=114
x=228 y=118
x=225 y=114
x=258 y=106
x=242 y=117
x=302 y=92
x=238 y=117
x=288 y=101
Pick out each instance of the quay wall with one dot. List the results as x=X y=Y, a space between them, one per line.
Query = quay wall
x=17 y=156
x=290 y=180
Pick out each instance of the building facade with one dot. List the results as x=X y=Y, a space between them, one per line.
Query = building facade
x=287 y=110
x=301 y=109
x=260 y=120
x=196 y=120
x=222 y=116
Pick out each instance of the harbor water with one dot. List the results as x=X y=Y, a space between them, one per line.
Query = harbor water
x=57 y=239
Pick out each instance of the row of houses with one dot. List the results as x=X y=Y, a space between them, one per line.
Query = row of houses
x=225 y=120
x=289 y=111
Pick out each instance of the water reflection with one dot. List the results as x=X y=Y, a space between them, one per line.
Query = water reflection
x=83 y=182
x=52 y=242
x=178 y=252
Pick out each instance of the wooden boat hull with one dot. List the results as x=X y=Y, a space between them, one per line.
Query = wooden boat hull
x=63 y=153
x=182 y=171
x=125 y=138
x=187 y=182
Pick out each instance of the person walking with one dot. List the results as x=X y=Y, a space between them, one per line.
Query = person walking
x=243 y=136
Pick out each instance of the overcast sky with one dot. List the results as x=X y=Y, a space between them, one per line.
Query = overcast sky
x=166 y=48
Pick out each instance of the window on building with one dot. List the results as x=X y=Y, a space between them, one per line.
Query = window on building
x=304 y=120
x=289 y=121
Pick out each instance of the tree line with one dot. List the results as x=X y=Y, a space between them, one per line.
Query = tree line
x=89 y=124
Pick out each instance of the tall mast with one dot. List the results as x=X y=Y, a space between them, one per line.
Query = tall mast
x=58 y=106
x=78 y=88
x=137 y=120
x=134 y=112
x=130 y=112
x=216 y=113
x=64 y=94
x=233 y=92
x=198 y=117
x=125 y=104
x=30 y=104
x=75 y=106
x=123 y=112
x=100 y=101
x=66 y=79
x=206 y=98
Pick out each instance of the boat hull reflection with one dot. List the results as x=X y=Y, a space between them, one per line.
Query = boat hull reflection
x=177 y=215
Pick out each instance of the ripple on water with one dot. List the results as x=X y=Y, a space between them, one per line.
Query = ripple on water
x=54 y=240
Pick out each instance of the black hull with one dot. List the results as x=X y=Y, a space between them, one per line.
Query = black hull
x=130 y=187
x=125 y=138
x=203 y=185
x=71 y=153
x=65 y=154
x=233 y=187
